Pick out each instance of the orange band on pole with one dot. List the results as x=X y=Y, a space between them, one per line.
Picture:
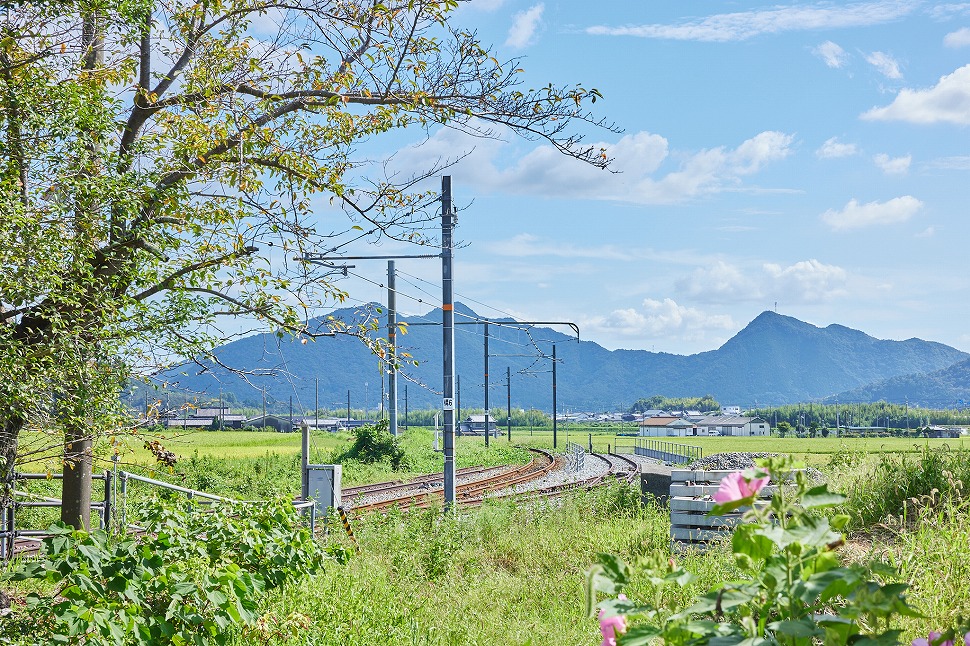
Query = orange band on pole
x=447 y=307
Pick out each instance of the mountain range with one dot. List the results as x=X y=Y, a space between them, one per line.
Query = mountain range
x=775 y=359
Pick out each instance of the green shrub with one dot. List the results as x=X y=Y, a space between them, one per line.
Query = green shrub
x=194 y=577
x=374 y=443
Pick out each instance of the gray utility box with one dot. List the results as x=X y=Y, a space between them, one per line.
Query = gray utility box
x=323 y=483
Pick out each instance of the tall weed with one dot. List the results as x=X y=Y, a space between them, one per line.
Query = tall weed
x=901 y=484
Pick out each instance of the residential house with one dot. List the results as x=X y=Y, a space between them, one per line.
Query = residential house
x=736 y=426
x=475 y=425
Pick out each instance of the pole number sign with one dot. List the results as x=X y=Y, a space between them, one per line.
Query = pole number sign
x=448 y=403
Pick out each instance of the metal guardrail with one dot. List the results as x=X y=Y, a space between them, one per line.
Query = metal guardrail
x=575 y=456
x=672 y=452
x=106 y=509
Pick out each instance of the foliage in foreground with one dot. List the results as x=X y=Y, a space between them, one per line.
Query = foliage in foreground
x=502 y=575
x=902 y=484
x=794 y=590
x=193 y=577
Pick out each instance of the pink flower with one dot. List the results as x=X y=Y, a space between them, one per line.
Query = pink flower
x=610 y=626
x=736 y=486
x=933 y=636
x=966 y=639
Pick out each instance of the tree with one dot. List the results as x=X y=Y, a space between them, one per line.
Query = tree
x=162 y=168
x=784 y=428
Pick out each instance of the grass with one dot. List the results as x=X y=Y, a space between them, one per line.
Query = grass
x=506 y=574
x=512 y=573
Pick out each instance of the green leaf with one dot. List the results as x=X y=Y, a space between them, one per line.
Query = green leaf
x=640 y=635
x=820 y=496
x=216 y=597
x=801 y=628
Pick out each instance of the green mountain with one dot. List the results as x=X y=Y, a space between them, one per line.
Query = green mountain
x=946 y=388
x=775 y=359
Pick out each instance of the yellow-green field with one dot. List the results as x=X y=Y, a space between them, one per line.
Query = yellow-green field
x=248 y=444
x=240 y=444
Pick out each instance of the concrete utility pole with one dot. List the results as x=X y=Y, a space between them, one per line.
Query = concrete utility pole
x=487 y=433
x=508 y=399
x=448 y=341
x=392 y=341
x=554 y=399
x=304 y=459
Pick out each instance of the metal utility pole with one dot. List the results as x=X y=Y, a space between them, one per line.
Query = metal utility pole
x=348 y=407
x=448 y=341
x=392 y=341
x=554 y=399
x=486 y=385
x=316 y=403
x=405 y=406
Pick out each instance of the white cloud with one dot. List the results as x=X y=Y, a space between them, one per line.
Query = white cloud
x=804 y=281
x=947 y=102
x=524 y=25
x=951 y=163
x=958 y=38
x=718 y=283
x=831 y=53
x=833 y=148
x=639 y=158
x=855 y=215
x=663 y=318
x=946 y=11
x=893 y=165
x=886 y=64
x=526 y=245
x=928 y=232
x=748 y=24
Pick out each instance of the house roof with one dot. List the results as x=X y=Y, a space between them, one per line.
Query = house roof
x=659 y=420
x=191 y=422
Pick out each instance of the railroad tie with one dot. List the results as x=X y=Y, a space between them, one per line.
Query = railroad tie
x=346 y=523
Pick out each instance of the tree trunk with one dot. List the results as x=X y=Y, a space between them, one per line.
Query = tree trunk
x=76 y=486
x=76 y=490
x=8 y=457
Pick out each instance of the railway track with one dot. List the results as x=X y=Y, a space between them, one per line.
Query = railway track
x=504 y=485
x=348 y=494
x=620 y=468
x=541 y=464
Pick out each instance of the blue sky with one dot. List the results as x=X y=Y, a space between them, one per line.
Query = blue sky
x=812 y=158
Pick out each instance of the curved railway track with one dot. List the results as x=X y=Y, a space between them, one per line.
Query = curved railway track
x=541 y=464
x=503 y=485
x=630 y=470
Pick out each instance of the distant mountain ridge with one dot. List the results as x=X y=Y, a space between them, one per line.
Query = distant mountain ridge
x=946 y=388
x=775 y=359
